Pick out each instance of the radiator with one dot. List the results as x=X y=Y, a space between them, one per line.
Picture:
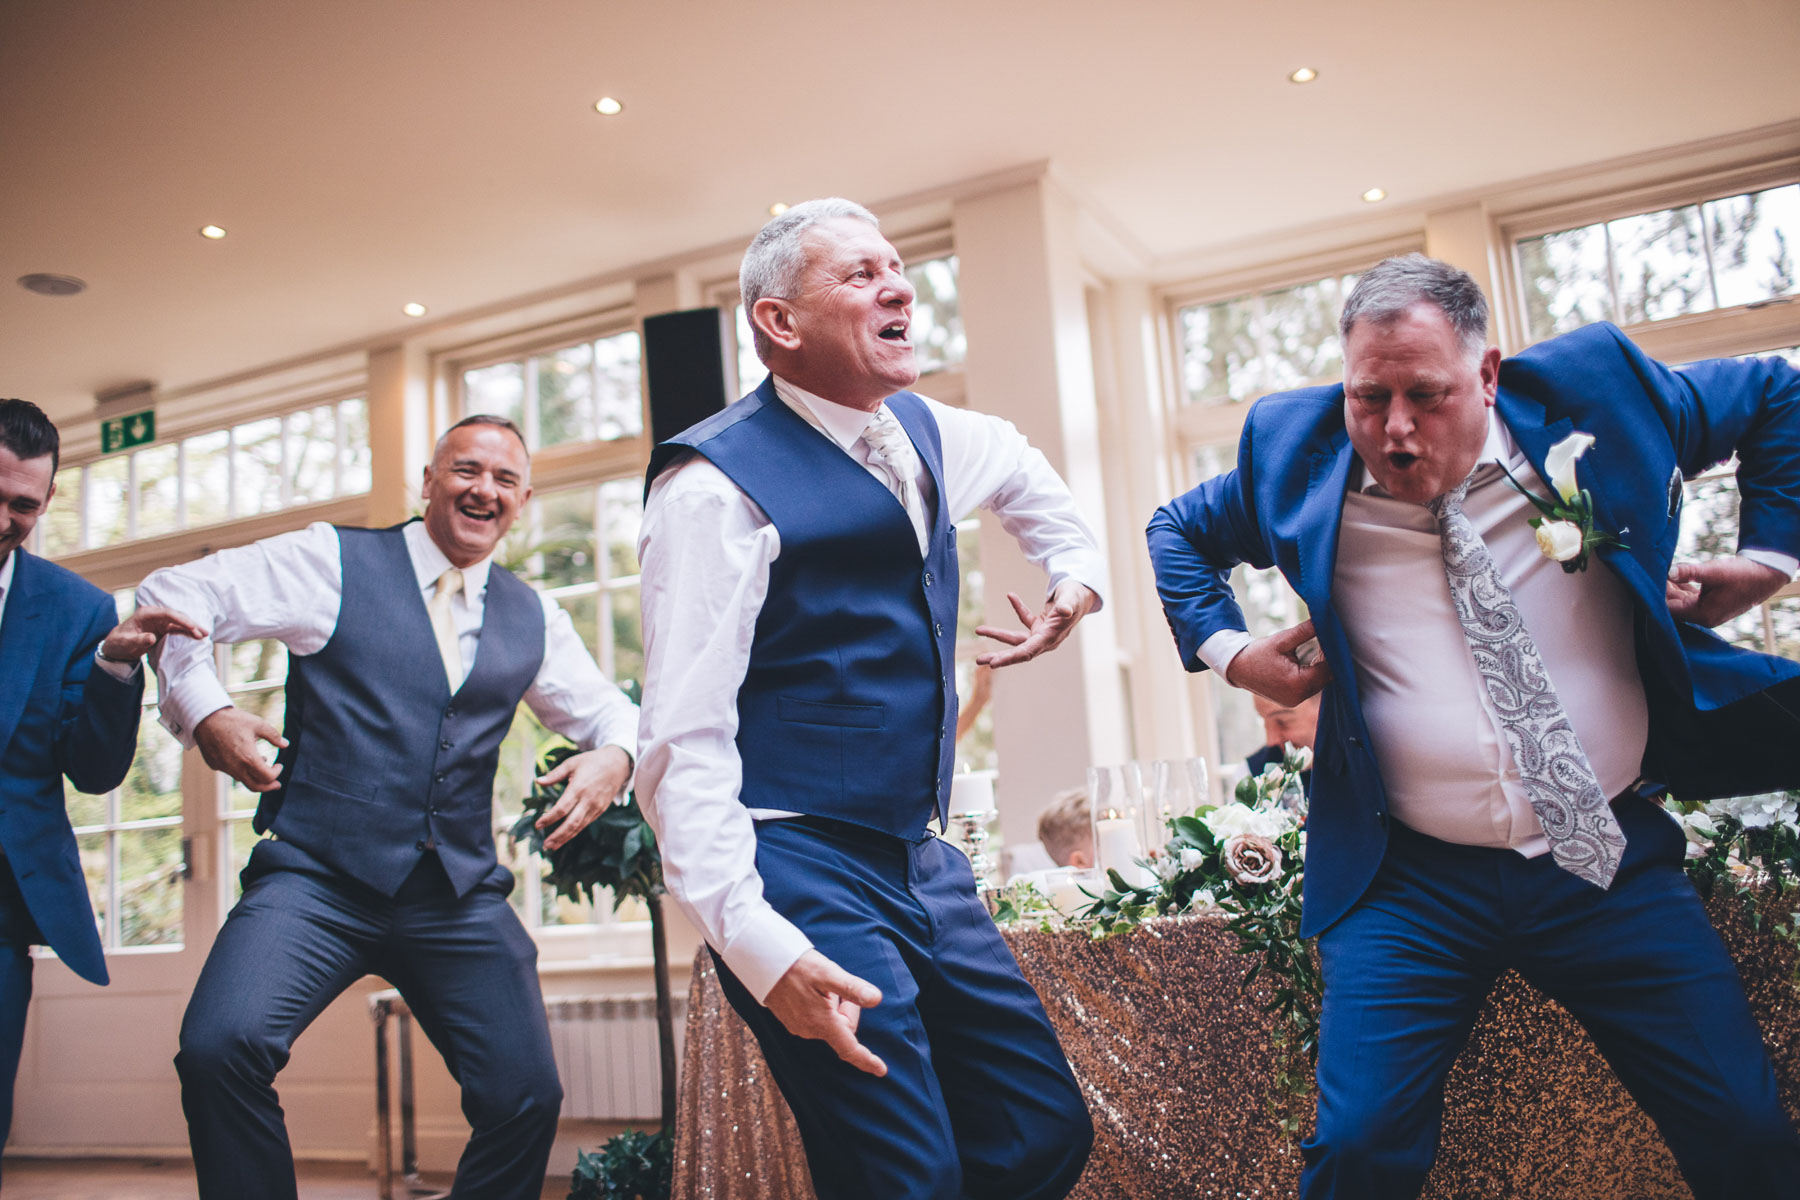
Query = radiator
x=607 y=1057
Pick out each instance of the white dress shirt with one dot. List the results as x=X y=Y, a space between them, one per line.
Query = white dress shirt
x=706 y=550
x=290 y=588
x=1445 y=760
x=6 y=576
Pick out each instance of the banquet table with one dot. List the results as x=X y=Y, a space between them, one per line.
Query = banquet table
x=1173 y=1055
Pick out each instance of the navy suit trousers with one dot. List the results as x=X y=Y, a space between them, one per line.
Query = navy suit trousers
x=1639 y=965
x=978 y=1100
x=18 y=933
x=299 y=936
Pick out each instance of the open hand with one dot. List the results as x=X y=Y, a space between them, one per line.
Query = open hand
x=139 y=633
x=1712 y=592
x=227 y=741
x=595 y=779
x=1275 y=668
x=1043 y=631
x=818 y=999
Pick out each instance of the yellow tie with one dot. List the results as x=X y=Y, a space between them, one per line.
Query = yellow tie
x=443 y=625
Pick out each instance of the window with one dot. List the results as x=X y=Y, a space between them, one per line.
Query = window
x=255 y=676
x=1651 y=266
x=1236 y=350
x=976 y=747
x=585 y=392
x=306 y=456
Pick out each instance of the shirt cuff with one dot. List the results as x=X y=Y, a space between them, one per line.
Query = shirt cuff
x=124 y=672
x=1218 y=650
x=1089 y=570
x=1787 y=564
x=202 y=696
x=762 y=953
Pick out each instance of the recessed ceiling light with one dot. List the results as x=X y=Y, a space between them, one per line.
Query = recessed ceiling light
x=1303 y=75
x=1374 y=194
x=777 y=208
x=414 y=309
x=212 y=232
x=606 y=106
x=45 y=284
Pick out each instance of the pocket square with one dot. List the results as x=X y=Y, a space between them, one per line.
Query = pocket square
x=1675 y=492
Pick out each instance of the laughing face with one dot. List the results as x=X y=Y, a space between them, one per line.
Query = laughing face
x=474 y=488
x=1416 y=401
x=26 y=485
x=846 y=335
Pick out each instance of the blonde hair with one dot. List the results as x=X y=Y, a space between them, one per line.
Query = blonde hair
x=1067 y=826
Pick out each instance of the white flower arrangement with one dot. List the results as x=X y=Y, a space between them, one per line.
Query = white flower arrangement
x=1565 y=527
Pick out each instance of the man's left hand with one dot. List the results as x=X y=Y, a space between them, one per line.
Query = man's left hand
x=1712 y=592
x=1043 y=631
x=594 y=779
x=139 y=633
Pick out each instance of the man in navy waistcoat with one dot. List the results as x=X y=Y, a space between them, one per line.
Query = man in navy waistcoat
x=408 y=651
x=1500 y=703
x=800 y=598
x=58 y=717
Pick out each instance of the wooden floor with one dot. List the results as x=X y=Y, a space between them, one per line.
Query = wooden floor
x=173 y=1179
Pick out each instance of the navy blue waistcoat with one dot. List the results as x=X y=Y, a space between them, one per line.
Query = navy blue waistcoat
x=848 y=709
x=382 y=762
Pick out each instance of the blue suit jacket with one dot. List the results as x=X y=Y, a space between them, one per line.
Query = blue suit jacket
x=59 y=715
x=1724 y=721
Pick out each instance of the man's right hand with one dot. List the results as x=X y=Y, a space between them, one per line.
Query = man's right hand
x=819 y=999
x=227 y=741
x=1272 y=668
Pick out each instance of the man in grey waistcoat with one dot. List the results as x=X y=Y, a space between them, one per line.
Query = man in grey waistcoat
x=409 y=651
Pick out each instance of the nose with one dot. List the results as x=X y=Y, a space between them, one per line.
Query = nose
x=1400 y=422
x=899 y=289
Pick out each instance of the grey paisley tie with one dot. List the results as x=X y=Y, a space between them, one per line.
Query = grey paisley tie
x=1577 y=817
x=893 y=451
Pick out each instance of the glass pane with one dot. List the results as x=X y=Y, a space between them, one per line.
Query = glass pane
x=1565 y=280
x=749 y=368
x=618 y=379
x=355 y=462
x=499 y=389
x=158 y=484
x=150 y=887
x=62 y=519
x=1784 y=615
x=153 y=787
x=565 y=383
x=1709 y=520
x=92 y=849
x=249 y=662
x=1218 y=348
x=208 y=477
x=268 y=703
x=937 y=328
x=972 y=585
x=106 y=513
x=622 y=512
x=85 y=809
x=243 y=838
x=1754 y=239
x=627 y=625
x=311 y=455
x=562 y=531
x=584 y=615
x=560 y=911
x=1660 y=260
x=1300 y=335
x=258 y=463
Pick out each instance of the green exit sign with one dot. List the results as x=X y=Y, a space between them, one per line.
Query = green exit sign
x=122 y=433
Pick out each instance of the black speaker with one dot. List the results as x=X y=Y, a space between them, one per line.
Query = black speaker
x=684 y=368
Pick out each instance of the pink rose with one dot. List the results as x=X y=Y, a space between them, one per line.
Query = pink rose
x=1250 y=859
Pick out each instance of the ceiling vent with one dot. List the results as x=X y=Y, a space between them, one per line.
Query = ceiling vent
x=45 y=284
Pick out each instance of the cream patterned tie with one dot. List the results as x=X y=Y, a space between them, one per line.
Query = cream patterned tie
x=893 y=451
x=1585 y=838
x=443 y=625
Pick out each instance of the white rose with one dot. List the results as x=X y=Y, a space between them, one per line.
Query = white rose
x=1699 y=823
x=1229 y=820
x=1271 y=823
x=1301 y=756
x=1559 y=540
x=1166 y=868
x=1191 y=858
x=1203 y=901
x=1560 y=463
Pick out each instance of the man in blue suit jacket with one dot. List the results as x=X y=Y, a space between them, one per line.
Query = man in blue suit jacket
x=1429 y=871
x=58 y=716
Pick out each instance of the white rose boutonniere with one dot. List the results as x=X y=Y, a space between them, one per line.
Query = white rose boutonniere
x=1565 y=526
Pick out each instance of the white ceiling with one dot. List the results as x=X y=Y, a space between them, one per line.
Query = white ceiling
x=365 y=153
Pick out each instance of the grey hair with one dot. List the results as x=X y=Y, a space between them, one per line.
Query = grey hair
x=776 y=257
x=493 y=419
x=1394 y=285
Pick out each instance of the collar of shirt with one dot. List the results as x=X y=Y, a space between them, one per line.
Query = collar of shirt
x=6 y=578
x=429 y=562
x=839 y=422
x=1500 y=448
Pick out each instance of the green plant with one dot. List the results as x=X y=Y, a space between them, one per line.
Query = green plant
x=632 y=1166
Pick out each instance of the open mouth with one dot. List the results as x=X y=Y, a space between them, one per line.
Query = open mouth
x=478 y=514
x=894 y=332
x=1400 y=460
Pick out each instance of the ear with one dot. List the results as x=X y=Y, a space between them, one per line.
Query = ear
x=777 y=322
x=1490 y=374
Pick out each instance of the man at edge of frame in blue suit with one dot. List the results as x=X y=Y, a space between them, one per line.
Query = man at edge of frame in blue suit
x=1494 y=725
x=58 y=717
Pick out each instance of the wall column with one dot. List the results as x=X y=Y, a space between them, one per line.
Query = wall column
x=400 y=430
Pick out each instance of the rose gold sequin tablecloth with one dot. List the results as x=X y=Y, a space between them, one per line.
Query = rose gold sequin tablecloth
x=1174 y=1059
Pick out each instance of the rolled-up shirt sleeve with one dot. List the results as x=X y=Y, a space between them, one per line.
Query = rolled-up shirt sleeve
x=705 y=551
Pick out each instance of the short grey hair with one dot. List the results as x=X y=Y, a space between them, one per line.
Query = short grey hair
x=776 y=258
x=1394 y=285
